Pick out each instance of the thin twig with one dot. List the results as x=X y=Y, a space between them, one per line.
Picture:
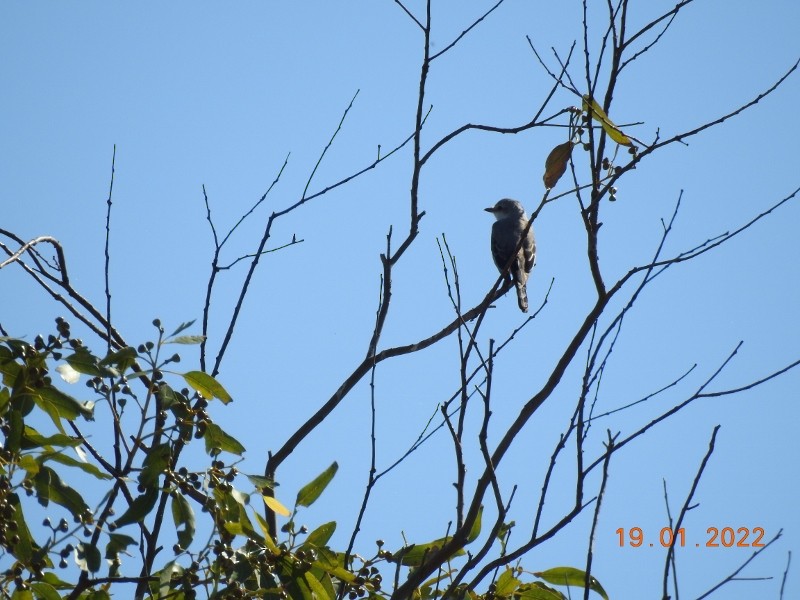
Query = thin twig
x=411 y=16
x=732 y=576
x=669 y=560
x=785 y=573
x=467 y=30
x=596 y=516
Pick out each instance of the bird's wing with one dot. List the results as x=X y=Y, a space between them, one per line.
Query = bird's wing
x=529 y=250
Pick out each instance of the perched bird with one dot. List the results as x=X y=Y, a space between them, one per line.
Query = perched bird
x=506 y=235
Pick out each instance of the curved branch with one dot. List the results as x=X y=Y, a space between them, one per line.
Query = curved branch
x=62 y=263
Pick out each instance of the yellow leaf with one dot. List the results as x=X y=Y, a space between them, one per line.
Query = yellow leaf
x=598 y=114
x=276 y=506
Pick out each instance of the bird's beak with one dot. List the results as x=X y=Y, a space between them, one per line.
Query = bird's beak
x=490 y=209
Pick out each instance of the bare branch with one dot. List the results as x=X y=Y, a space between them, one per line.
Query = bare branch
x=371 y=479
x=668 y=561
x=97 y=323
x=318 y=417
x=411 y=16
x=27 y=246
x=672 y=527
x=680 y=137
x=328 y=145
x=668 y=15
x=118 y=436
x=626 y=62
x=108 y=240
x=467 y=30
x=647 y=397
x=596 y=516
x=732 y=576
x=785 y=573
x=426 y=434
x=294 y=241
x=558 y=79
x=251 y=209
x=752 y=384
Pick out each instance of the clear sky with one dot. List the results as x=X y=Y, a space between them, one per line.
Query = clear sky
x=218 y=95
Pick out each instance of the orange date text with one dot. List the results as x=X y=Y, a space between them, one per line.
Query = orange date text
x=716 y=537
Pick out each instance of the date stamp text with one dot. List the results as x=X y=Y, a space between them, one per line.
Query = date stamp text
x=716 y=537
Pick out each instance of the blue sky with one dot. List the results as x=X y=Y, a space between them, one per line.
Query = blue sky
x=197 y=94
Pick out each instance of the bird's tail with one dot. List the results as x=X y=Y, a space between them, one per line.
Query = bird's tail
x=522 y=297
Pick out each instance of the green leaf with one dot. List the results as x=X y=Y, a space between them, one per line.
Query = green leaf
x=234 y=513
x=51 y=578
x=124 y=359
x=34 y=439
x=118 y=543
x=139 y=508
x=434 y=583
x=599 y=115
x=155 y=463
x=71 y=462
x=51 y=411
x=49 y=487
x=66 y=406
x=88 y=557
x=217 y=439
x=309 y=493
x=319 y=591
x=538 y=591
x=320 y=536
x=168 y=396
x=298 y=589
x=183 y=516
x=571 y=576
x=25 y=547
x=165 y=578
x=187 y=339
x=504 y=529
x=182 y=327
x=28 y=462
x=506 y=584
x=475 y=531
x=207 y=386
x=8 y=365
x=44 y=591
x=87 y=363
x=328 y=561
x=16 y=426
x=261 y=482
x=415 y=554
x=326 y=581
x=5 y=395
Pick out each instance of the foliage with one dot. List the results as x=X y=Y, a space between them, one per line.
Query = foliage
x=240 y=558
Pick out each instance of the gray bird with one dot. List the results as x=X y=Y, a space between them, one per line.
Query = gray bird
x=506 y=234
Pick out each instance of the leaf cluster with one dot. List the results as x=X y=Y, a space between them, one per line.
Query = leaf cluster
x=146 y=483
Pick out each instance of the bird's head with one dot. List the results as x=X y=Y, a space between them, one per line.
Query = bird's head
x=507 y=208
